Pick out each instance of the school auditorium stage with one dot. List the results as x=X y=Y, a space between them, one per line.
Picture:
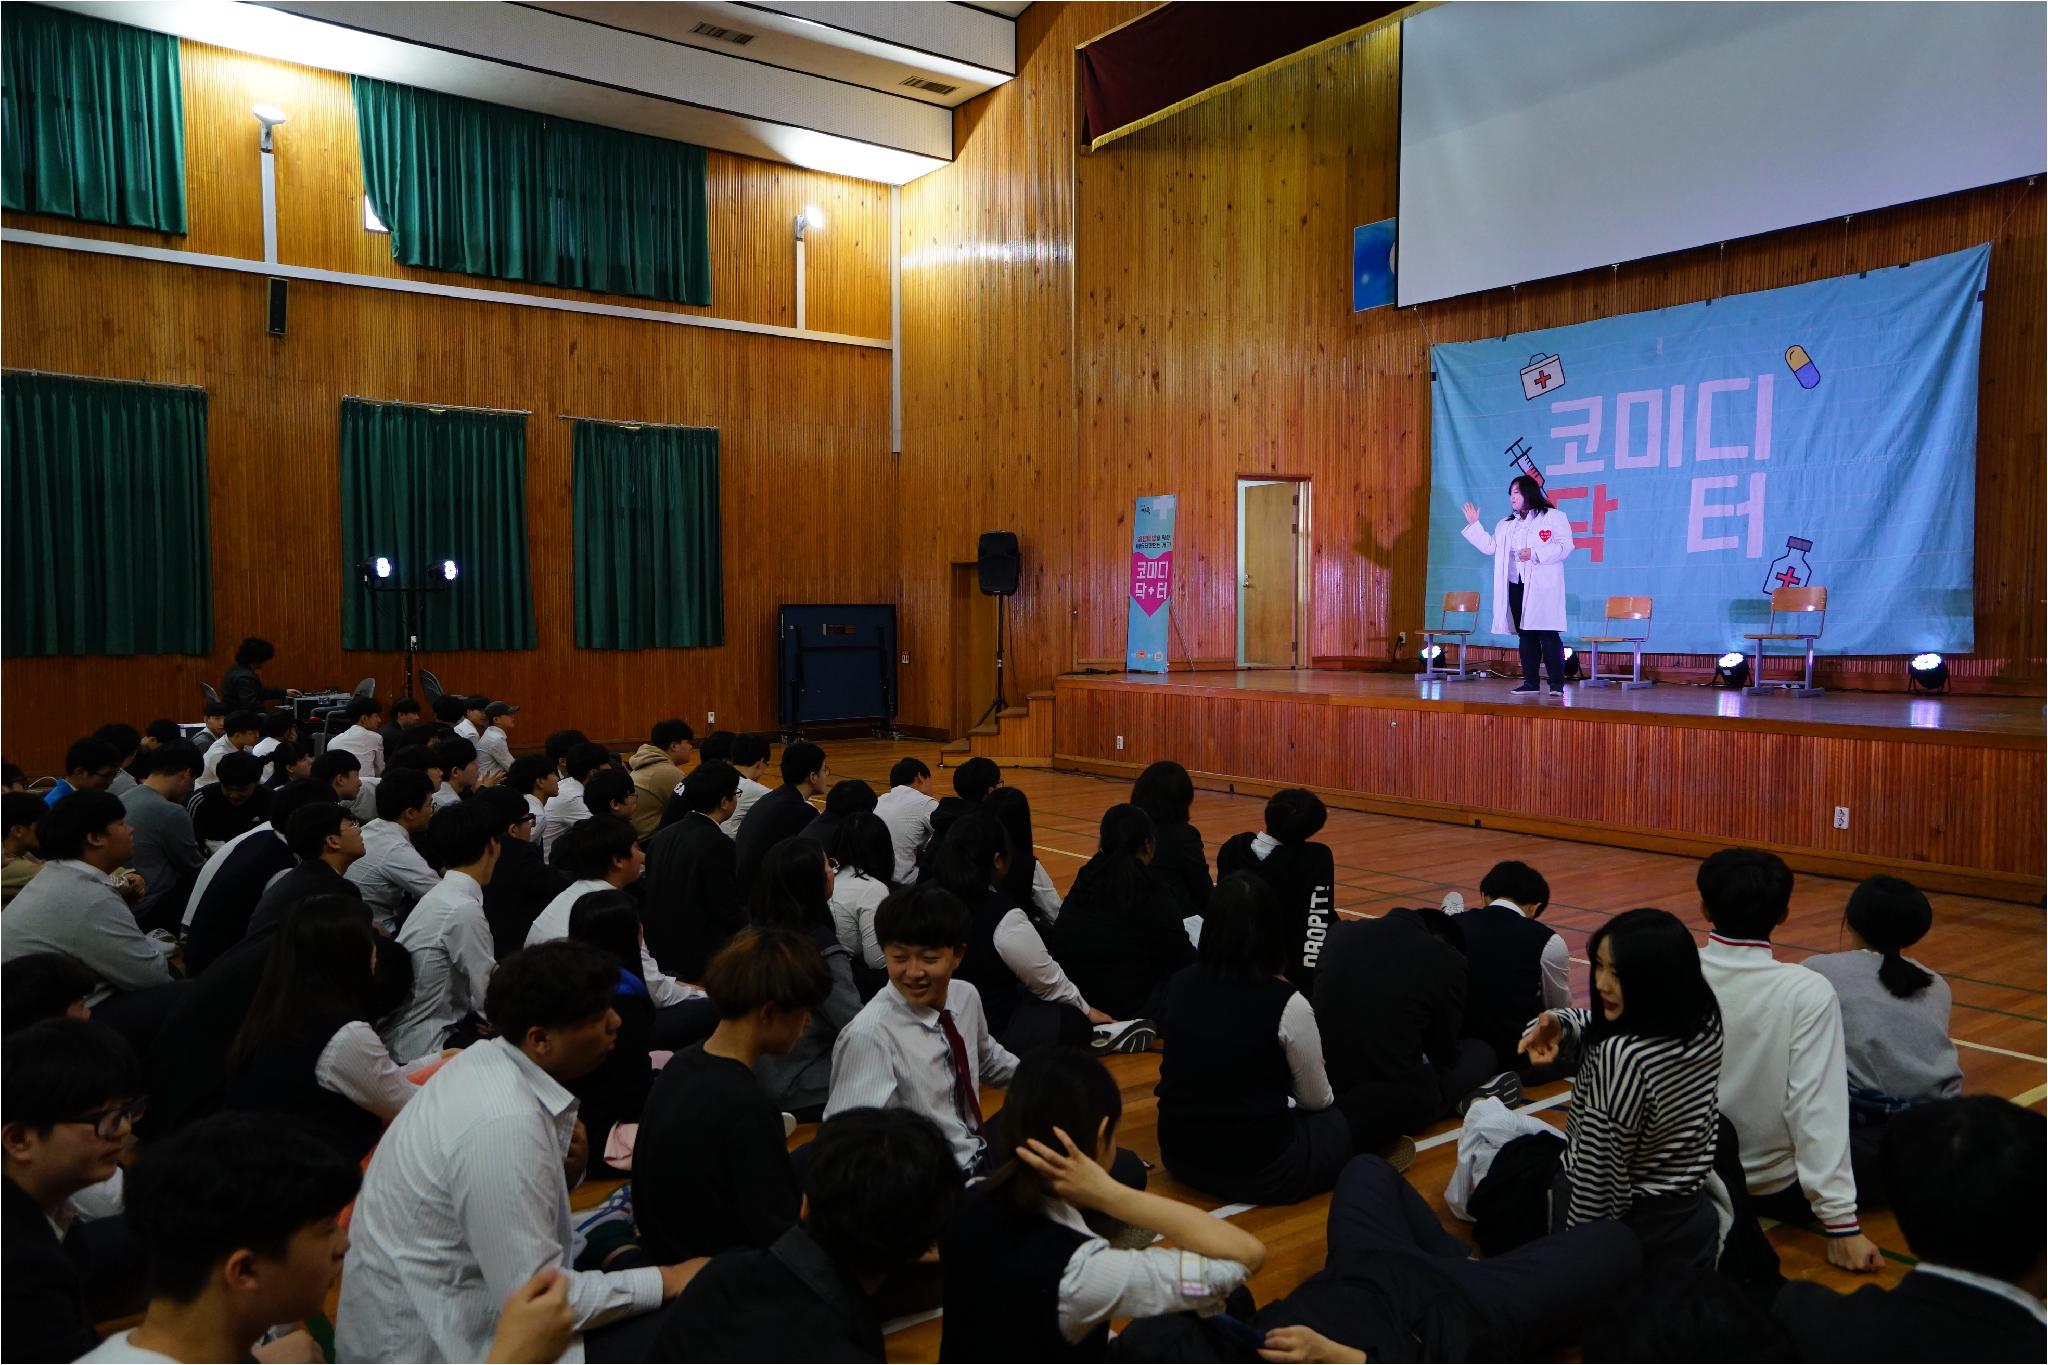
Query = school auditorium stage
x=1944 y=790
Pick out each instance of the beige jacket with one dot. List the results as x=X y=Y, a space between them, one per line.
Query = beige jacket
x=656 y=777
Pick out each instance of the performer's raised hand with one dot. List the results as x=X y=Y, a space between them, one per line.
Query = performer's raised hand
x=1472 y=513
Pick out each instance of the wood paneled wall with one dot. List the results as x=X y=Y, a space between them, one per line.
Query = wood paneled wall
x=808 y=496
x=988 y=367
x=1215 y=339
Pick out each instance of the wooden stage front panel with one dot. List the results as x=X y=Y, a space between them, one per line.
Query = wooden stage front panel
x=1944 y=790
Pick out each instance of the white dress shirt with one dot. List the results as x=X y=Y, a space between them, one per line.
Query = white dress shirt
x=357 y=1066
x=212 y=757
x=1044 y=894
x=538 y=836
x=750 y=792
x=1302 y=1040
x=391 y=874
x=493 y=752
x=563 y=809
x=894 y=1055
x=908 y=814
x=553 y=923
x=366 y=744
x=1103 y=1282
x=1022 y=949
x=464 y=1201
x=855 y=895
x=465 y=729
x=214 y=862
x=1784 y=1076
x=450 y=943
x=119 y=1350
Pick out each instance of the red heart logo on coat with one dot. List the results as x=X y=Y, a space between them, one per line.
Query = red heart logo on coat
x=1543 y=536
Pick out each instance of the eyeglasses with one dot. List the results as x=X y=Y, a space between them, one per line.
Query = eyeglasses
x=108 y=1123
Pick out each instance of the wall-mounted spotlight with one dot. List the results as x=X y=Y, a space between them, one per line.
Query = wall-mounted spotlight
x=449 y=571
x=811 y=217
x=270 y=116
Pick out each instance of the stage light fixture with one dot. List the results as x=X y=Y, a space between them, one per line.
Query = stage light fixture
x=1731 y=670
x=1929 y=672
x=1432 y=652
x=1572 y=667
x=375 y=571
x=449 y=571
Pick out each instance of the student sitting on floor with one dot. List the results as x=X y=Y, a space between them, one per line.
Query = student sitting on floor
x=785 y=811
x=616 y=1091
x=692 y=902
x=849 y=797
x=711 y=1168
x=240 y=1215
x=1030 y=1001
x=19 y=861
x=1639 y=1140
x=866 y=855
x=610 y=791
x=1302 y=873
x=1026 y=1277
x=1389 y=998
x=449 y=939
x=1515 y=966
x=466 y=1200
x=1966 y=1182
x=535 y=779
x=460 y=769
x=69 y=1095
x=924 y=1043
x=878 y=1188
x=391 y=874
x=309 y=1047
x=327 y=841
x=972 y=782
x=223 y=903
x=1121 y=935
x=749 y=758
x=523 y=884
x=1027 y=881
x=906 y=808
x=1894 y=1020
x=567 y=808
x=234 y=803
x=1245 y=1108
x=793 y=892
x=42 y=986
x=1784 y=1079
x=1164 y=791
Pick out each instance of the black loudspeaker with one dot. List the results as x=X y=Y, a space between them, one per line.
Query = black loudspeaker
x=275 y=311
x=996 y=558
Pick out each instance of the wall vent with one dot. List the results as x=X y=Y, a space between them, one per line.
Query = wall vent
x=936 y=87
x=724 y=35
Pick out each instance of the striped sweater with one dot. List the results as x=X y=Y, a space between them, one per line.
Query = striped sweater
x=1642 y=1118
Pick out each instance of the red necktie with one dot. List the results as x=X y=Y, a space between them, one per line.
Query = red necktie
x=964 y=1097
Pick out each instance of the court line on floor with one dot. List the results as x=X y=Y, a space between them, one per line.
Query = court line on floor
x=2001 y=1051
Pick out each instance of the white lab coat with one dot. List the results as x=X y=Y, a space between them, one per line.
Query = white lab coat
x=1543 y=574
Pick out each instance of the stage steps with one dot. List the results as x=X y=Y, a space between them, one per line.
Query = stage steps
x=1021 y=735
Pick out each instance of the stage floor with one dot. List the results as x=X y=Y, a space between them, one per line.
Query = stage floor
x=1945 y=791
x=2000 y=721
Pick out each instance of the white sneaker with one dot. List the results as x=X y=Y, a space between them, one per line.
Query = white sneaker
x=1125 y=1035
x=1454 y=904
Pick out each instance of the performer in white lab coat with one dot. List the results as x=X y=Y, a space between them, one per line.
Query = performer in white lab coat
x=1528 y=548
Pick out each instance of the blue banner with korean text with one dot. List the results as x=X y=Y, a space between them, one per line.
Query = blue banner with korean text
x=1820 y=435
x=1151 y=584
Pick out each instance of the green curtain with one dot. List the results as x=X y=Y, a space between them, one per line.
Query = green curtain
x=108 y=550
x=94 y=120
x=515 y=195
x=422 y=485
x=648 y=571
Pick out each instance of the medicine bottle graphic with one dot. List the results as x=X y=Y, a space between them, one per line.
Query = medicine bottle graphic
x=1790 y=569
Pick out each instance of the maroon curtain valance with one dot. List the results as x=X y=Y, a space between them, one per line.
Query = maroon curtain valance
x=1179 y=50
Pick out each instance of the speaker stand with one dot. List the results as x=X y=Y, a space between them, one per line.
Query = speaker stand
x=999 y=705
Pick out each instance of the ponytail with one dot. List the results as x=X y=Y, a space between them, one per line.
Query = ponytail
x=1891 y=915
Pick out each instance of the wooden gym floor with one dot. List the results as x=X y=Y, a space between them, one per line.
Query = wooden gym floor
x=1990 y=951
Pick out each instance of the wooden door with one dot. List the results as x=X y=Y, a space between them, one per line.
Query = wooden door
x=1270 y=595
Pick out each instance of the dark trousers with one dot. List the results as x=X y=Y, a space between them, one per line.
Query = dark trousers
x=1035 y=1025
x=1532 y=642
x=1381 y=1111
x=1537 y=1296
x=1316 y=1151
x=137 y=1015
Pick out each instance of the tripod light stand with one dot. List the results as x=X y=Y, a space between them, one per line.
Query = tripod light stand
x=381 y=574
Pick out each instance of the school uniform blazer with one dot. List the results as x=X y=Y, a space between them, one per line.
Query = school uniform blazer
x=1928 y=1317
x=1548 y=538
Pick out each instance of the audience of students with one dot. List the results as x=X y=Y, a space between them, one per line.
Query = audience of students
x=1302 y=873
x=1895 y=1020
x=1121 y=934
x=1784 y=1074
x=783 y=812
x=232 y=804
x=126 y=742
x=240 y=732
x=793 y=893
x=494 y=742
x=90 y=765
x=692 y=900
x=702 y=1188
x=1165 y=792
x=567 y=806
x=1706 y=1082
x=404 y=715
x=1245 y=1106
x=657 y=771
x=20 y=859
